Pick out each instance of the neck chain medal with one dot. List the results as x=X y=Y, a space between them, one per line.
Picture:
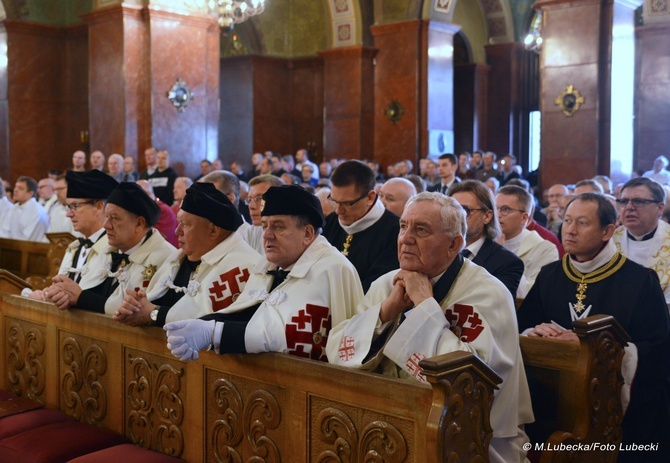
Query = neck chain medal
x=583 y=280
x=347 y=243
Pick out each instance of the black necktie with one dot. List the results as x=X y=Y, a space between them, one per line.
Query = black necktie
x=444 y=189
x=280 y=276
x=85 y=242
x=466 y=253
x=118 y=259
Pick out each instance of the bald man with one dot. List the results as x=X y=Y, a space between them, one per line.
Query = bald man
x=395 y=193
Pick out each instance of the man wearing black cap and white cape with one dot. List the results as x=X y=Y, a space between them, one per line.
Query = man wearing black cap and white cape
x=85 y=208
x=132 y=257
x=291 y=299
x=206 y=274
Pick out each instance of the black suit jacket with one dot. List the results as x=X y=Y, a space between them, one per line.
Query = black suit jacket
x=437 y=188
x=501 y=263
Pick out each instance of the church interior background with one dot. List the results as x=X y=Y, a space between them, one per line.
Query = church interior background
x=378 y=79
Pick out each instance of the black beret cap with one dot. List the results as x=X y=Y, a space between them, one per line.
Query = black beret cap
x=204 y=200
x=293 y=200
x=91 y=184
x=131 y=197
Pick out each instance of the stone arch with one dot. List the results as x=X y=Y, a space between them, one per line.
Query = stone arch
x=497 y=13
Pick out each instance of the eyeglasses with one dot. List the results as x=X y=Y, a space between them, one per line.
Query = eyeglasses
x=636 y=202
x=253 y=199
x=505 y=210
x=346 y=203
x=72 y=207
x=468 y=210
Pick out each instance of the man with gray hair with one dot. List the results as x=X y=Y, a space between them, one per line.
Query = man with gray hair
x=437 y=303
x=659 y=173
x=253 y=234
x=643 y=237
x=115 y=167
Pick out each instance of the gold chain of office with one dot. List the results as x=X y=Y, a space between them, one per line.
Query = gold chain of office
x=583 y=280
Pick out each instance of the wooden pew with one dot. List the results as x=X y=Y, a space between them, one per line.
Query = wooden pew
x=10 y=283
x=32 y=261
x=267 y=407
x=576 y=391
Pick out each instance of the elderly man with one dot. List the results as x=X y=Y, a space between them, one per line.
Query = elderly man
x=554 y=211
x=130 y=174
x=134 y=253
x=594 y=278
x=361 y=228
x=115 y=167
x=59 y=222
x=86 y=193
x=483 y=229
x=26 y=220
x=395 y=193
x=488 y=169
x=514 y=205
x=659 y=173
x=45 y=193
x=436 y=303
x=97 y=161
x=291 y=299
x=181 y=184
x=643 y=237
x=257 y=188
x=206 y=274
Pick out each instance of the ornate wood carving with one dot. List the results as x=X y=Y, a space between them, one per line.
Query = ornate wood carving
x=379 y=441
x=155 y=410
x=26 y=359
x=252 y=417
x=82 y=392
x=459 y=391
x=58 y=243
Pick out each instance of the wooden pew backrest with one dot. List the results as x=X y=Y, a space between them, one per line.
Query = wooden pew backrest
x=576 y=388
x=270 y=407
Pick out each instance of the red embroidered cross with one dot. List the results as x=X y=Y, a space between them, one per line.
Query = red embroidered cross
x=347 y=349
x=413 y=367
x=230 y=284
x=464 y=321
x=310 y=342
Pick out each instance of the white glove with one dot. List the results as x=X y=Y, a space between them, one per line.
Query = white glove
x=187 y=337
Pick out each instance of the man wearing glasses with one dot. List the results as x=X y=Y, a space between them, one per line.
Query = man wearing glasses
x=86 y=193
x=253 y=234
x=483 y=229
x=643 y=237
x=514 y=205
x=361 y=228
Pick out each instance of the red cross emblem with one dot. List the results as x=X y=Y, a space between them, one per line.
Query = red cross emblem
x=226 y=288
x=465 y=322
x=346 y=350
x=307 y=335
x=413 y=367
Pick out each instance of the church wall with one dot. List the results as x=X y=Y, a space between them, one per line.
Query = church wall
x=652 y=95
x=47 y=97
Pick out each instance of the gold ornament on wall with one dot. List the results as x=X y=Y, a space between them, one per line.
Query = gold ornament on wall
x=394 y=111
x=570 y=100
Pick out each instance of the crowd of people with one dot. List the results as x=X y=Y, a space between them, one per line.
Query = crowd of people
x=340 y=263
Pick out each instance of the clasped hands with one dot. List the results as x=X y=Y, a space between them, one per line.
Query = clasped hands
x=63 y=292
x=409 y=290
x=553 y=331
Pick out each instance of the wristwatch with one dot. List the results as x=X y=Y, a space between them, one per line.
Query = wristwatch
x=153 y=315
